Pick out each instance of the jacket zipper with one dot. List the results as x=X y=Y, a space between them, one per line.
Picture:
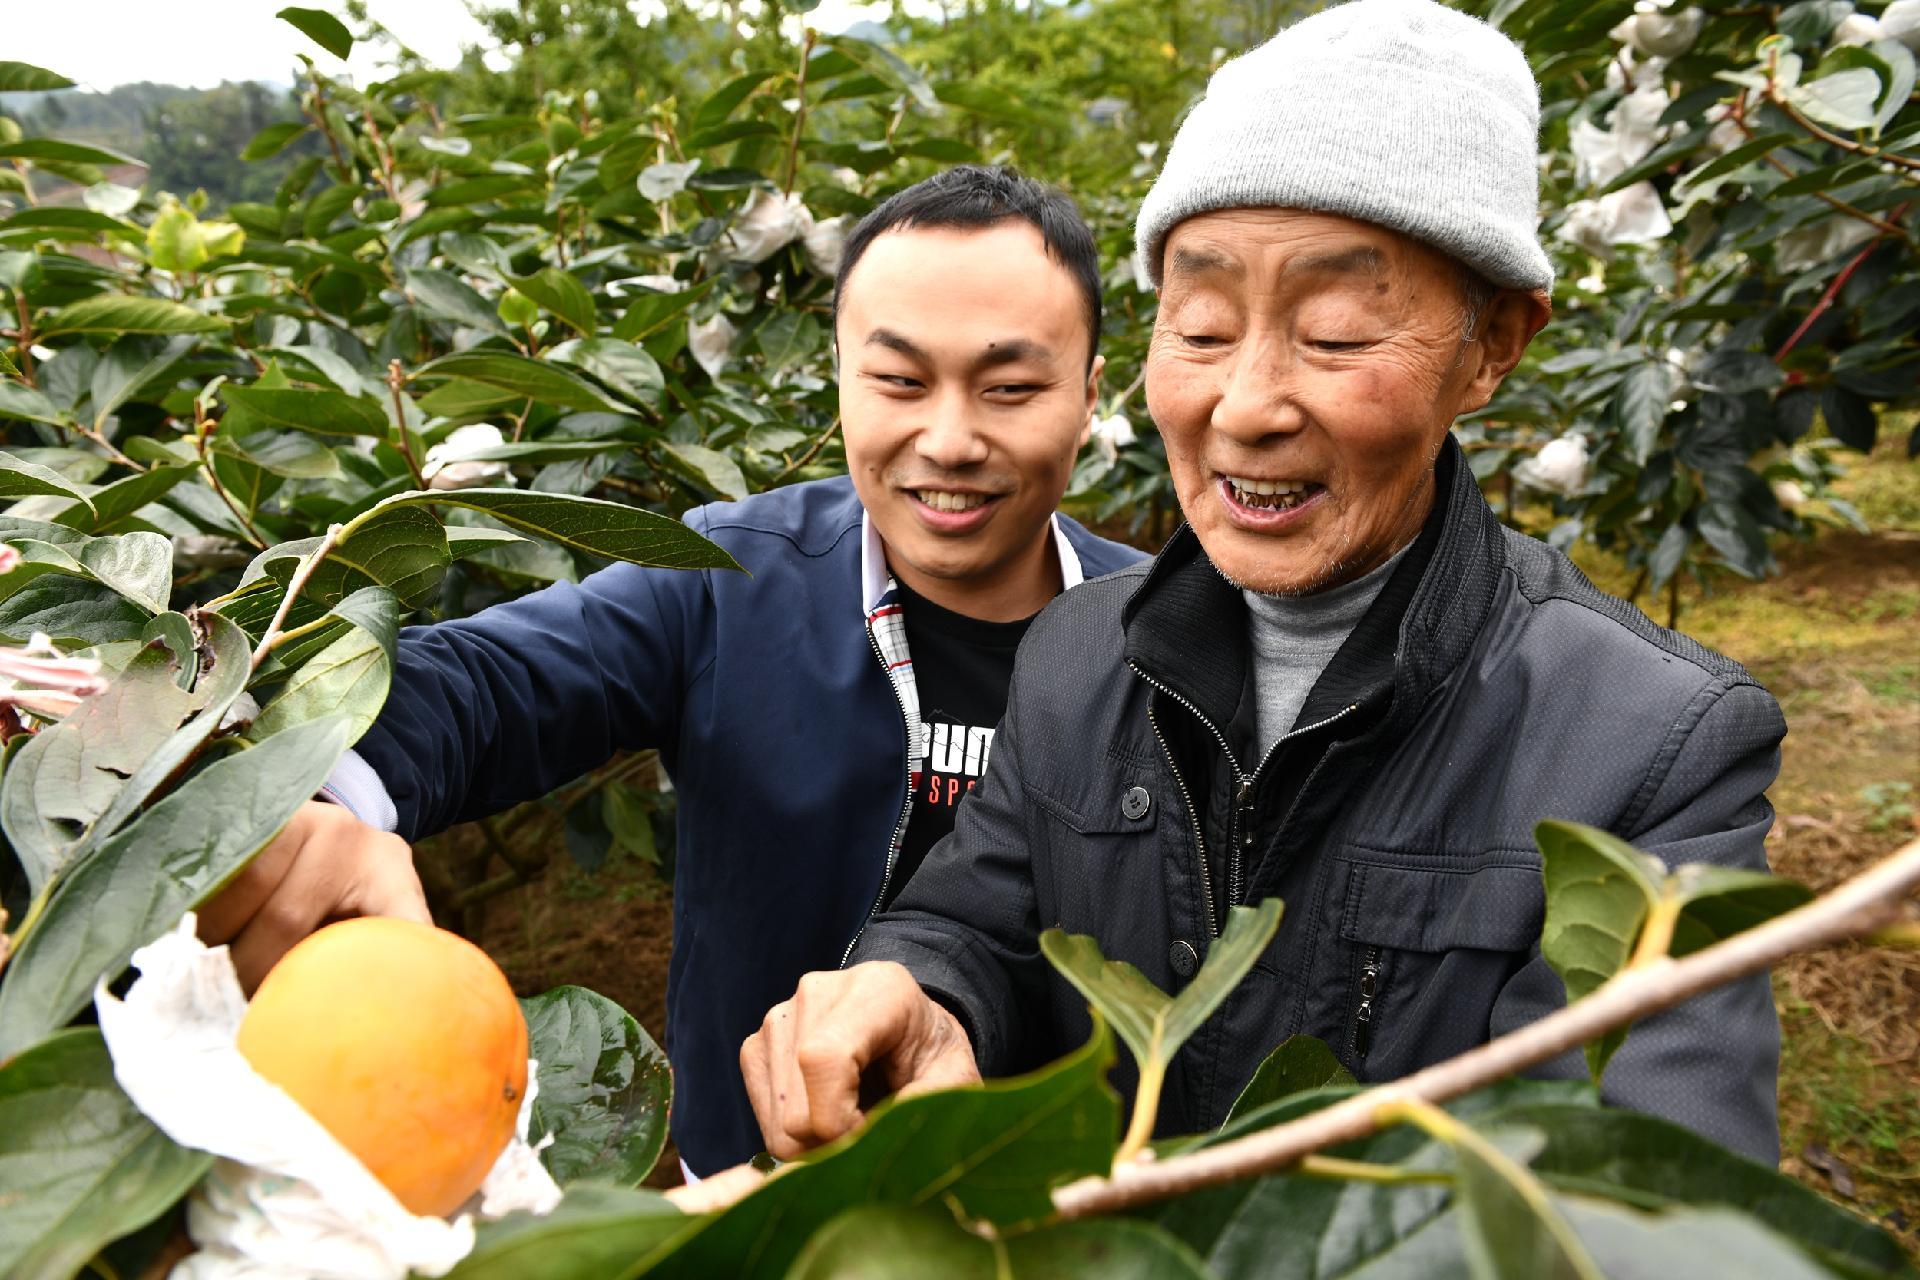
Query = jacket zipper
x=1363 y=1012
x=906 y=809
x=1240 y=825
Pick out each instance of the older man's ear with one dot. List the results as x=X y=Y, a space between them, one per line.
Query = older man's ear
x=1507 y=325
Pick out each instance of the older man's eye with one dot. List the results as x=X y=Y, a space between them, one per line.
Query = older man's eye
x=1202 y=340
x=1332 y=345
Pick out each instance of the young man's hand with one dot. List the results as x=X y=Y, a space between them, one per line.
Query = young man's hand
x=327 y=865
x=869 y=1029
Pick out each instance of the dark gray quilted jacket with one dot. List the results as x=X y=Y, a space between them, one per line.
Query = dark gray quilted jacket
x=1490 y=686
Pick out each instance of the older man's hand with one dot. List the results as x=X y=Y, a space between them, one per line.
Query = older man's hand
x=843 y=1040
x=326 y=865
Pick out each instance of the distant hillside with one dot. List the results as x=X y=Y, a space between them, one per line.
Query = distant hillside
x=189 y=138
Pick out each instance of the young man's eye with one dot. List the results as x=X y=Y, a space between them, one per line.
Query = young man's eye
x=899 y=380
x=1014 y=389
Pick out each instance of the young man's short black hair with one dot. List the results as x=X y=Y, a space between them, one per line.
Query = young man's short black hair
x=980 y=196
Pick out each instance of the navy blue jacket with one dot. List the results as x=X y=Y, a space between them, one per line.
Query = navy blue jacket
x=771 y=711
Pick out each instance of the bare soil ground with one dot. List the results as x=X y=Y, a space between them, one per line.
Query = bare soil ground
x=1836 y=637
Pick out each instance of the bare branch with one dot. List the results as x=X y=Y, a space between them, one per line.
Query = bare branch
x=1868 y=902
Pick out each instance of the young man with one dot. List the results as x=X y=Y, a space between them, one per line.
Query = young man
x=823 y=713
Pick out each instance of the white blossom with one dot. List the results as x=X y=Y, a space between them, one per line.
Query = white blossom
x=1789 y=494
x=658 y=283
x=1661 y=35
x=9 y=558
x=1901 y=21
x=1811 y=245
x=1632 y=215
x=824 y=243
x=1115 y=429
x=1559 y=467
x=711 y=342
x=659 y=181
x=452 y=464
x=40 y=680
x=767 y=223
x=1726 y=134
x=1857 y=28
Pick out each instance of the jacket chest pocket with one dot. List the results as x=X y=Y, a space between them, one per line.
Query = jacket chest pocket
x=1096 y=854
x=1428 y=949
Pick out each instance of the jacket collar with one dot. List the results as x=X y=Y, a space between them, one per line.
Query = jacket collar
x=876 y=580
x=1186 y=625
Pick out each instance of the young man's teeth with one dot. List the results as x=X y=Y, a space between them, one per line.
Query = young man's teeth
x=941 y=501
x=1268 y=494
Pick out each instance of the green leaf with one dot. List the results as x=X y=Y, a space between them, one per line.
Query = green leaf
x=139 y=882
x=1745 y=153
x=70 y=611
x=137 y=565
x=788 y=338
x=128 y=365
x=1154 y=1024
x=328 y=413
x=561 y=293
x=886 y=64
x=519 y=376
x=1683 y=1242
x=648 y=313
x=117 y=313
x=1299 y=1064
x=1640 y=407
x=723 y=101
x=628 y=370
x=392 y=545
x=320 y=27
x=272 y=140
x=1656 y=1164
x=24 y=77
x=83 y=221
x=114 y=504
x=708 y=467
x=173 y=240
x=20 y=479
x=1599 y=892
x=17 y=401
x=1718 y=902
x=995 y=1150
x=609 y=529
x=1512 y=1228
x=604 y=1088
x=1845 y=99
x=596 y=1232
x=67 y=775
x=45 y=150
x=79 y=1165
x=886 y=1242
x=348 y=678
x=288 y=454
x=444 y=294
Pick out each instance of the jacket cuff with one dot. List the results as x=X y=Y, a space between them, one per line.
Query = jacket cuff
x=355 y=787
x=944 y=984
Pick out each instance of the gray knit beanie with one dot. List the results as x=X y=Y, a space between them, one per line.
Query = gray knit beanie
x=1401 y=113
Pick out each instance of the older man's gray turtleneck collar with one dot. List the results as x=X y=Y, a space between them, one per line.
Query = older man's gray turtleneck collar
x=1294 y=638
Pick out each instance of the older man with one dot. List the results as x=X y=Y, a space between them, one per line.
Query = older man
x=1343 y=684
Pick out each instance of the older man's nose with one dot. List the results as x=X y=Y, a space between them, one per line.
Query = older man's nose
x=949 y=435
x=1256 y=398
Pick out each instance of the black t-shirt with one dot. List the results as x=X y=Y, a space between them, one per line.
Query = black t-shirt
x=962 y=667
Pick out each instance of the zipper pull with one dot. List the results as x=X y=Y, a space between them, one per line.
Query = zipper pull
x=1363 y=1012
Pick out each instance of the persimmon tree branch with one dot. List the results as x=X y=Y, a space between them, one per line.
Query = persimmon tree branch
x=1864 y=905
x=311 y=561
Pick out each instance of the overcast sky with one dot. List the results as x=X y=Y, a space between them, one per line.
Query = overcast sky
x=102 y=43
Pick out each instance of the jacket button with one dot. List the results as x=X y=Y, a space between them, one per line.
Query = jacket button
x=1184 y=959
x=1136 y=803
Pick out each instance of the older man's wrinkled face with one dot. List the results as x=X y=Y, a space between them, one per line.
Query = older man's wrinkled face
x=1304 y=371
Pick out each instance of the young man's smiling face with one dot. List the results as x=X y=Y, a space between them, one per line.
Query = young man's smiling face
x=1304 y=371
x=965 y=394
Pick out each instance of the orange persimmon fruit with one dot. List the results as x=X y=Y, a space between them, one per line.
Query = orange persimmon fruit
x=405 y=1042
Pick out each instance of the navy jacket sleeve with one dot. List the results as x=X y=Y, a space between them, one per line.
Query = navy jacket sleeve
x=1710 y=1064
x=489 y=711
